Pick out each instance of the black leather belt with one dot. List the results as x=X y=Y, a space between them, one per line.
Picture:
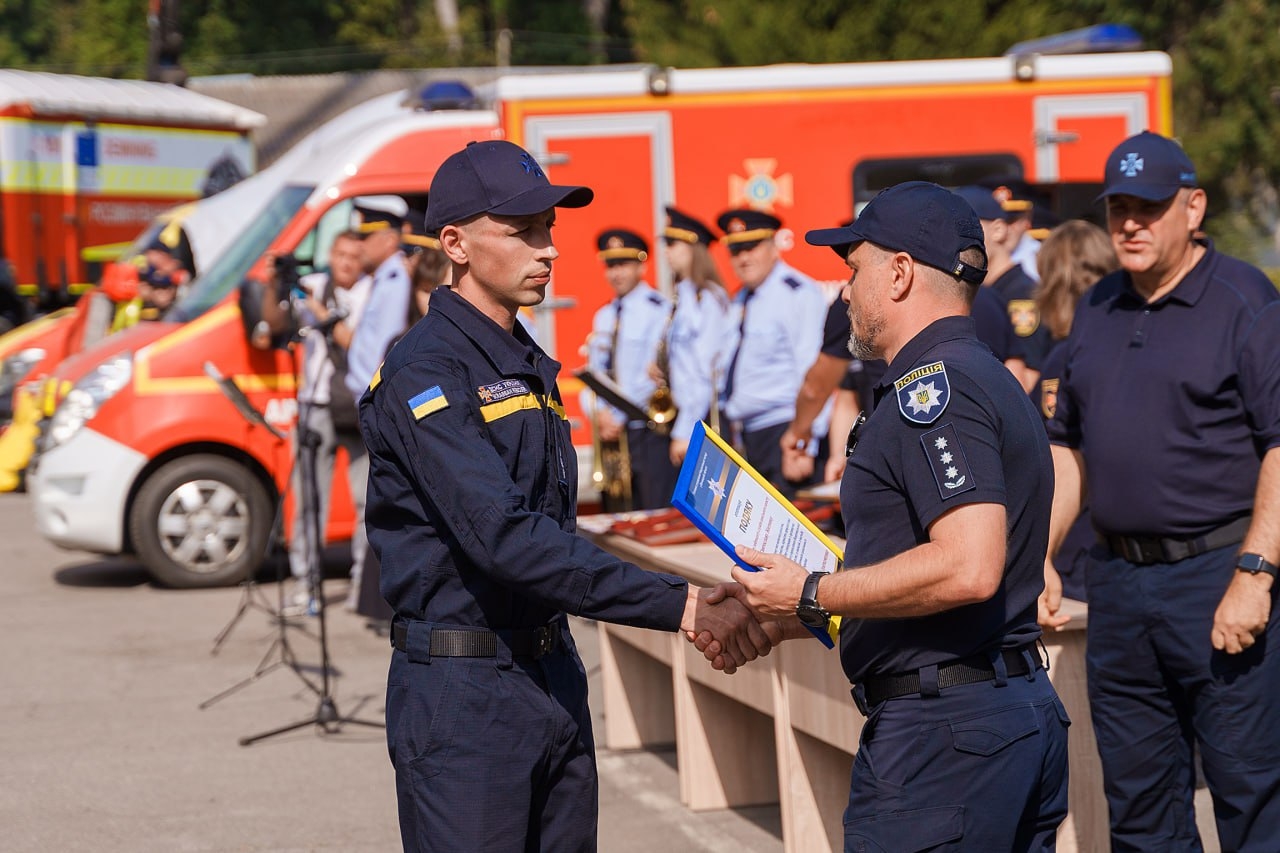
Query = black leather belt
x=1144 y=550
x=479 y=643
x=970 y=670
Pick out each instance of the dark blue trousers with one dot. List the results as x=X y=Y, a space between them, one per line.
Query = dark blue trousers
x=976 y=767
x=492 y=754
x=1157 y=690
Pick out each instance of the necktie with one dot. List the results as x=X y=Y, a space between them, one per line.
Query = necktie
x=742 y=336
x=611 y=367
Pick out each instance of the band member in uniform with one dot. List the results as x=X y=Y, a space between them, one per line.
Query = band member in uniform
x=775 y=333
x=697 y=327
x=624 y=341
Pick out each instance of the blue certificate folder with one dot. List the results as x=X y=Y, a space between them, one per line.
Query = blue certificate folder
x=733 y=505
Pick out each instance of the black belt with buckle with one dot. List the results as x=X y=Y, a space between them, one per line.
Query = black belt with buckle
x=1145 y=550
x=531 y=643
x=970 y=670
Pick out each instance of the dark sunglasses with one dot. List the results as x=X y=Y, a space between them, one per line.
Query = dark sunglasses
x=852 y=441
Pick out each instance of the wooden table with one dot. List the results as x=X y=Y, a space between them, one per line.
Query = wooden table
x=784 y=729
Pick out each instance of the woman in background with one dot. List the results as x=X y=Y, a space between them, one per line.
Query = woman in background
x=696 y=329
x=1071 y=260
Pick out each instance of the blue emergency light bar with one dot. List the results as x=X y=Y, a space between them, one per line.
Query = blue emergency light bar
x=1103 y=38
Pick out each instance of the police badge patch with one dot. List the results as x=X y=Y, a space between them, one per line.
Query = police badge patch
x=923 y=393
x=1024 y=316
x=946 y=460
x=1049 y=397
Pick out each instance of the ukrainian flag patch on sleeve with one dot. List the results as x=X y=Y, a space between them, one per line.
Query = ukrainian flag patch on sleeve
x=428 y=402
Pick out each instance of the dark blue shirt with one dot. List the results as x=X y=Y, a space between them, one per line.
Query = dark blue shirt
x=1069 y=558
x=952 y=426
x=1173 y=403
x=1032 y=341
x=472 y=486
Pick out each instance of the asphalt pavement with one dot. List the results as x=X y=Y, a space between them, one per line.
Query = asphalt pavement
x=104 y=745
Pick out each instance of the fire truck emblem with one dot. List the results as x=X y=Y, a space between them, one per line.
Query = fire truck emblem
x=761 y=189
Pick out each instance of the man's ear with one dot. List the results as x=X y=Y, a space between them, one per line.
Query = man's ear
x=903 y=269
x=453 y=243
x=1197 y=203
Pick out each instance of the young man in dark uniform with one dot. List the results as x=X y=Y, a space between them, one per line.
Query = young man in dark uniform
x=471 y=510
x=946 y=503
x=1169 y=412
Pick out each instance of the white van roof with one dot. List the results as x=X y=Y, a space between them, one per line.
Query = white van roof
x=102 y=99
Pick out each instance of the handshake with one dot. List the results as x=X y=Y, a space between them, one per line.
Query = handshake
x=732 y=624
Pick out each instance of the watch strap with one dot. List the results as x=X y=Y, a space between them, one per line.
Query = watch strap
x=1255 y=564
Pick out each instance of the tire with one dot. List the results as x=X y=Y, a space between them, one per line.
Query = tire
x=201 y=521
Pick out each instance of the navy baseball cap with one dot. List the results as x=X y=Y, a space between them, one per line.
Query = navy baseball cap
x=929 y=223
x=498 y=177
x=1148 y=166
x=983 y=202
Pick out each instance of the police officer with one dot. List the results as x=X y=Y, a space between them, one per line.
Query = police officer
x=697 y=329
x=775 y=334
x=472 y=512
x=1007 y=278
x=382 y=321
x=1169 y=413
x=624 y=341
x=946 y=500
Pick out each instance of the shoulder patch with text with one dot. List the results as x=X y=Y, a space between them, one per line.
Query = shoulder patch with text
x=428 y=402
x=923 y=393
x=946 y=460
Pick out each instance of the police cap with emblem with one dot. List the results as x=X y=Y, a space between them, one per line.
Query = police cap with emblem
x=1148 y=166
x=984 y=204
x=744 y=227
x=684 y=228
x=380 y=212
x=496 y=177
x=618 y=245
x=931 y=224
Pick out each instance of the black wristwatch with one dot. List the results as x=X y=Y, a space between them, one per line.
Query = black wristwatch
x=808 y=609
x=1253 y=564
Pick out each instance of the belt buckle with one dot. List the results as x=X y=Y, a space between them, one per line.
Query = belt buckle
x=1150 y=551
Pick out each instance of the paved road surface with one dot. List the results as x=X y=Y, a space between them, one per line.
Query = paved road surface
x=103 y=747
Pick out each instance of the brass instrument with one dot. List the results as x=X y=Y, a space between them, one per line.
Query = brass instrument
x=611 y=468
x=661 y=411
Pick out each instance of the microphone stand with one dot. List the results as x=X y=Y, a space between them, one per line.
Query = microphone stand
x=252 y=597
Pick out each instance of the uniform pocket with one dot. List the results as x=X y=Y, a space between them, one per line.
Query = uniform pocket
x=907 y=832
x=988 y=734
x=433 y=698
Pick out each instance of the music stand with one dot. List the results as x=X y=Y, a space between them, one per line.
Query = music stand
x=327 y=715
x=252 y=597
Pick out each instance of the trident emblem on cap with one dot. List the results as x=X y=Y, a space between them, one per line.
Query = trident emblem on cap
x=530 y=166
x=1131 y=165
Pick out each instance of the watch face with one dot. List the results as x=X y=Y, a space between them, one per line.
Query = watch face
x=814 y=617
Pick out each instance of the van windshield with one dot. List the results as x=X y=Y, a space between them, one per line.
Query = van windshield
x=226 y=273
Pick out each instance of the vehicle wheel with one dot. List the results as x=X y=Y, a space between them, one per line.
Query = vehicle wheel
x=201 y=521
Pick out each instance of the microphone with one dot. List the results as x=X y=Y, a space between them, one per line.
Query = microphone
x=335 y=317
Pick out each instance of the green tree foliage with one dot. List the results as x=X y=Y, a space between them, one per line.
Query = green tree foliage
x=1226 y=52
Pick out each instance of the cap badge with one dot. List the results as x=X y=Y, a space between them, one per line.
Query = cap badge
x=736 y=225
x=1131 y=165
x=531 y=166
x=615 y=242
x=1002 y=194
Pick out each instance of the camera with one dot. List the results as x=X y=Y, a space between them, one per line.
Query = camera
x=286 y=275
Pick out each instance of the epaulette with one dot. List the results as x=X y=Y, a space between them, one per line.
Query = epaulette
x=656 y=299
x=793 y=282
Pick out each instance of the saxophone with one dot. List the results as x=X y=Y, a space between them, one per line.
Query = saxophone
x=611 y=468
x=661 y=408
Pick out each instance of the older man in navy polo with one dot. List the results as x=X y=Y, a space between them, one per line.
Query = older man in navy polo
x=946 y=504
x=1169 y=414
